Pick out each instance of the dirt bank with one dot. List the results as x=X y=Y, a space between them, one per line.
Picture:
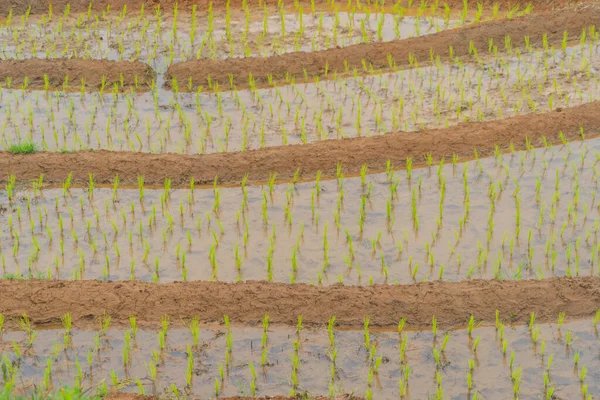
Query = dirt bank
x=345 y=60
x=248 y=302
x=131 y=396
x=310 y=158
x=34 y=70
x=297 y=397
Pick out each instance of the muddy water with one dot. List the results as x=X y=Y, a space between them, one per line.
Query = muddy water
x=311 y=231
x=162 y=121
x=162 y=38
x=99 y=355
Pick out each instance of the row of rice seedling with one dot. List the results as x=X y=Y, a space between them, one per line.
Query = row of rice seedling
x=162 y=37
x=529 y=214
x=541 y=360
x=77 y=121
x=520 y=215
x=502 y=85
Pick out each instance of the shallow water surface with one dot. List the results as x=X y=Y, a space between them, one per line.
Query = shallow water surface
x=411 y=365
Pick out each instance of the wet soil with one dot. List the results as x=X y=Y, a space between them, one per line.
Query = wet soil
x=129 y=396
x=322 y=156
x=298 y=397
x=300 y=65
x=121 y=73
x=451 y=303
x=132 y=396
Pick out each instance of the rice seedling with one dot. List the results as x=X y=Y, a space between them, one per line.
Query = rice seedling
x=367 y=207
x=436 y=220
x=160 y=52
x=194 y=328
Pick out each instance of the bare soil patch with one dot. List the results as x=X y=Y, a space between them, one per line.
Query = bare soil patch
x=309 y=158
x=129 y=396
x=297 y=397
x=132 y=396
x=122 y=73
x=326 y=63
x=451 y=303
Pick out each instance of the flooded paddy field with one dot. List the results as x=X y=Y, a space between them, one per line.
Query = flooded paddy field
x=545 y=360
x=522 y=215
x=196 y=202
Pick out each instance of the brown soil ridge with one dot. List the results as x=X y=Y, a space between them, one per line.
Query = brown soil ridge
x=132 y=396
x=451 y=303
x=344 y=60
x=323 y=156
x=76 y=69
x=77 y=6
x=303 y=396
x=128 y=396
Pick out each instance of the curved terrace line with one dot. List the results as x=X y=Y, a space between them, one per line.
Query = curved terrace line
x=533 y=130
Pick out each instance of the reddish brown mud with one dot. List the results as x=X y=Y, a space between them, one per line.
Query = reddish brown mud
x=122 y=73
x=451 y=303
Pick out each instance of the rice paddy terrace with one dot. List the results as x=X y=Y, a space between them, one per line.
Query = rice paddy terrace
x=311 y=199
